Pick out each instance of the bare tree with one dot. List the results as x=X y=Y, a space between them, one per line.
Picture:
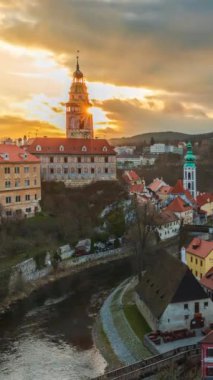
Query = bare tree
x=140 y=233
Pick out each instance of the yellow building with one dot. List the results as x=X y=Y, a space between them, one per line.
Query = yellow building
x=199 y=256
x=20 y=182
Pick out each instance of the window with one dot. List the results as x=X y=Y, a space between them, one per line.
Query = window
x=104 y=149
x=186 y=306
x=92 y=159
x=36 y=197
x=65 y=170
x=105 y=159
x=65 y=160
x=92 y=170
x=51 y=160
x=209 y=371
x=9 y=213
x=51 y=171
x=8 y=200
x=27 y=197
x=84 y=148
x=18 y=198
x=17 y=182
x=106 y=170
x=35 y=182
x=201 y=263
x=26 y=182
x=205 y=305
x=17 y=170
x=61 y=148
x=196 y=273
x=7 y=170
x=7 y=184
x=28 y=209
x=210 y=352
x=34 y=169
x=38 y=148
x=79 y=171
x=79 y=159
x=195 y=261
x=26 y=169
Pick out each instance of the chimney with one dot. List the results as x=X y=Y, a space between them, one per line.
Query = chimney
x=183 y=255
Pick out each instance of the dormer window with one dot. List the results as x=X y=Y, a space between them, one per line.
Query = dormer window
x=84 y=148
x=104 y=149
x=61 y=148
x=5 y=156
x=38 y=148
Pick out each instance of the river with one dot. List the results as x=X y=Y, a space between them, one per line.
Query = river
x=49 y=336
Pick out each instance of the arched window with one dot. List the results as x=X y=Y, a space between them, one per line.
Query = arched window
x=38 y=148
x=61 y=148
x=104 y=149
x=84 y=148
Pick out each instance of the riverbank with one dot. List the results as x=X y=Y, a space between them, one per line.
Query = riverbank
x=119 y=329
x=64 y=269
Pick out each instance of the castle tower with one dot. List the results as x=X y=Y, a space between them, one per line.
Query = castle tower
x=79 y=122
x=189 y=172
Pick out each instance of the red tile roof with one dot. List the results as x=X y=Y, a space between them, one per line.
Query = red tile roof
x=130 y=175
x=204 y=198
x=11 y=153
x=165 y=217
x=208 y=339
x=156 y=184
x=179 y=189
x=164 y=189
x=207 y=280
x=200 y=248
x=178 y=205
x=137 y=188
x=51 y=145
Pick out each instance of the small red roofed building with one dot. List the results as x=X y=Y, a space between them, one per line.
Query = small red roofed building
x=156 y=184
x=20 y=182
x=199 y=256
x=163 y=192
x=78 y=159
x=167 y=224
x=205 y=203
x=131 y=178
x=181 y=209
x=207 y=357
x=207 y=282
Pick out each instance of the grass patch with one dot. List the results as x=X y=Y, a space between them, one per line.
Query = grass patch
x=136 y=321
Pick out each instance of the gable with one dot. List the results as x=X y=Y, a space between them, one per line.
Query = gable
x=189 y=289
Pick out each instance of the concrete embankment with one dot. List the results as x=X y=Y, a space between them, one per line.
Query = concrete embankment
x=64 y=269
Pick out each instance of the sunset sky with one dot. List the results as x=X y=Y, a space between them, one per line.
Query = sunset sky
x=148 y=65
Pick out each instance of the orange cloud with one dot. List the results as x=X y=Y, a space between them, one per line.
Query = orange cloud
x=15 y=127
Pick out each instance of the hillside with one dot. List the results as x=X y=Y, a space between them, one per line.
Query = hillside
x=159 y=137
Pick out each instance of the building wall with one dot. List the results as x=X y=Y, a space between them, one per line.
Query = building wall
x=206 y=360
x=199 y=266
x=177 y=316
x=20 y=188
x=169 y=230
x=83 y=168
x=187 y=216
x=145 y=312
x=208 y=208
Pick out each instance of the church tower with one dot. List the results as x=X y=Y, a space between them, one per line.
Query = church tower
x=79 y=122
x=189 y=172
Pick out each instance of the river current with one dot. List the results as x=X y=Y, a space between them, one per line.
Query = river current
x=49 y=336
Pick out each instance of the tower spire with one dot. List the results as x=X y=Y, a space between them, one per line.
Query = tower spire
x=77 y=61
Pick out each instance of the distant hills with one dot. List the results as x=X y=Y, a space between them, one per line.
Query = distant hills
x=159 y=137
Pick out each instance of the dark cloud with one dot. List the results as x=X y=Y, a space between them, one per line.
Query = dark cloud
x=166 y=44
x=134 y=120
